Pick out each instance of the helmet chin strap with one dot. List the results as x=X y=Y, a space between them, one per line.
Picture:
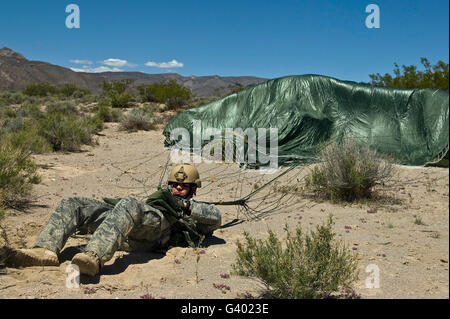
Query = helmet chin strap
x=191 y=192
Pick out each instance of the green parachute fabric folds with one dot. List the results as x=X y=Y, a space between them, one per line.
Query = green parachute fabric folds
x=310 y=111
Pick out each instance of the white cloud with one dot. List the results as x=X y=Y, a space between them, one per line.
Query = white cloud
x=117 y=63
x=87 y=69
x=81 y=61
x=165 y=65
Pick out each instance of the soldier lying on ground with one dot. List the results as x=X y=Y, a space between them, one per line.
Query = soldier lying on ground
x=168 y=217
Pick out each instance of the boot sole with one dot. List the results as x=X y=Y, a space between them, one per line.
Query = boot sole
x=20 y=259
x=86 y=268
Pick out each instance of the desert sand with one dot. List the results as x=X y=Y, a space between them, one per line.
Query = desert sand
x=412 y=256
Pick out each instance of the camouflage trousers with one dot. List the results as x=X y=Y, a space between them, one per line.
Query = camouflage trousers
x=130 y=225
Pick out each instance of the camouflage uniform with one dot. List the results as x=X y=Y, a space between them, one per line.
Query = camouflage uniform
x=129 y=225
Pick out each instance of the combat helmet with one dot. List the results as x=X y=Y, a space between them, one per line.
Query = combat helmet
x=185 y=174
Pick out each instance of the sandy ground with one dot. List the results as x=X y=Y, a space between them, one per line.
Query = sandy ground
x=412 y=258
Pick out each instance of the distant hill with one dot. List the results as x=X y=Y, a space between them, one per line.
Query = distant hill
x=16 y=72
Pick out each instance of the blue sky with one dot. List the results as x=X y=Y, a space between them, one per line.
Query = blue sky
x=229 y=38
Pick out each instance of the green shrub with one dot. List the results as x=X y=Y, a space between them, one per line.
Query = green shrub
x=14 y=124
x=61 y=106
x=146 y=93
x=71 y=90
x=118 y=87
x=174 y=103
x=310 y=266
x=107 y=114
x=348 y=172
x=94 y=124
x=29 y=139
x=149 y=109
x=9 y=98
x=169 y=92
x=65 y=132
x=137 y=120
x=17 y=174
x=29 y=109
x=115 y=91
x=40 y=89
x=120 y=100
x=8 y=112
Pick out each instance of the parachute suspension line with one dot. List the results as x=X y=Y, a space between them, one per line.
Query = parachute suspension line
x=242 y=202
x=163 y=173
x=236 y=193
x=268 y=183
x=439 y=157
x=144 y=186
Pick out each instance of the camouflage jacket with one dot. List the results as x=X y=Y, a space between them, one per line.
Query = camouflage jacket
x=189 y=224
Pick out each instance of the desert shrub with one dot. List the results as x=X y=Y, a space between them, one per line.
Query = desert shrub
x=29 y=109
x=149 y=109
x=93 y=124
x=118 y=87
x=40 y=89
x=155 y=92
x=310 y=266
x=17 y=174
x=71 y=90
x=9 y=98
x=65 y=132
x=169 y=92
x=21 y=132
x=174 y=103
x=107 y=114
x=14 y=124
x=29 y=139
x=348 y=172
x=61 y=106
x=115 y=91
x=79 y=94
x=8 y=112
x=120 y=100
x=137 y=120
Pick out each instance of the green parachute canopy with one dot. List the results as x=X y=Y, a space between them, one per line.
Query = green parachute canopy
x=310 y=111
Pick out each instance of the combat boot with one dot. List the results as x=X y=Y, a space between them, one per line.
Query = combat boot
x=32 y=257
x=88 y=262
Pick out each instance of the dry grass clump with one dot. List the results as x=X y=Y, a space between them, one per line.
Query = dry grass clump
x=136 y=120
x=348 y=172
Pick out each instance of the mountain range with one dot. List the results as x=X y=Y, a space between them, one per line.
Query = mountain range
x=16 y=72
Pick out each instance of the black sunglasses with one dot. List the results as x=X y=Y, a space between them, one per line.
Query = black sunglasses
x=180 y=184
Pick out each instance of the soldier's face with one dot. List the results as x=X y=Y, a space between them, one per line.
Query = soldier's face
x=181 y=190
